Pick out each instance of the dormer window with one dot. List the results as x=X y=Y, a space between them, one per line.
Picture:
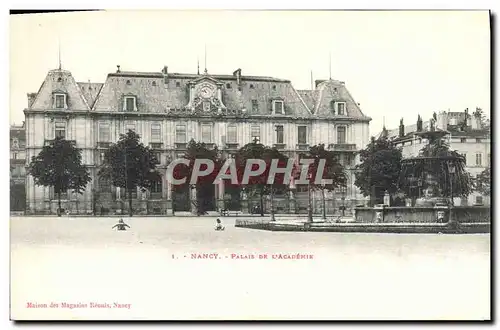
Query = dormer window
x=228 y=86
x=278 y=107
x=128 y=82
x=60 y=101
x=341 y=108
x=129 y=103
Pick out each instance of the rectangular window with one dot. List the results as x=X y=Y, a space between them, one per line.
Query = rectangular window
x=155 y=132
x=60 y=131
x=465 y=158
x=14 y=155
x=180 y=133
x=279 y=134
x=104 y=185
x=156 y=187
x=104 y=132
x=101 y=158
x=478 y=140
x=255 y=106
x=158 y=157
x=206 y=133
x=341 y=135
x=479 y=159
x=129 y=103
x=60 y=101
x=479 y=199
x=231 y=134
x=463 y=140
x=255 y=132
x=341 y=108
x=302 y=188
x=279 y=108
x=302 y=134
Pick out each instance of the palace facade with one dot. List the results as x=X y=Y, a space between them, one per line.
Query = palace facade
x=169 y=109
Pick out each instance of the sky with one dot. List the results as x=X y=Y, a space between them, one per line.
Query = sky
x=396 y=64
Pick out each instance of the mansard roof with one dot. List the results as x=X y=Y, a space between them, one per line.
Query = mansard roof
x=159 y=92
x=329 y=91
x=90 y=91
x=60 y=81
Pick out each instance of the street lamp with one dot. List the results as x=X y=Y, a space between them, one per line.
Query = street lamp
x=309 y=208
x=343 y=200
x=452 y=171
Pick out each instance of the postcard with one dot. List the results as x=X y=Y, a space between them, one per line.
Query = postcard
x=250 y=165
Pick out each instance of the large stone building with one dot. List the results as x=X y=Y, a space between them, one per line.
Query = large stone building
x=169 y=109
x=17 y=168
x=466 y=134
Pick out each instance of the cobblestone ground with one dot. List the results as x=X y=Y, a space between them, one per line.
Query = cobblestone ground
x=155 y=266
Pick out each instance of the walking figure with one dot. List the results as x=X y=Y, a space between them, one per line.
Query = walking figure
x=218 y=225
x=120 y=225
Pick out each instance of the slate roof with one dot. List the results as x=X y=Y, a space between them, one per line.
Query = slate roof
x=90 y=91
x=156 y=92
x=159 y=92
x=320 y=100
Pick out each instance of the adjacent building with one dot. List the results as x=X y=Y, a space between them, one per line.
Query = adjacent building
x=17 y=168
x=466 y=134
x=169 y=109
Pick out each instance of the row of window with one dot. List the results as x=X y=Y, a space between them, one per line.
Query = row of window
x=479 y=159
x=207 y=134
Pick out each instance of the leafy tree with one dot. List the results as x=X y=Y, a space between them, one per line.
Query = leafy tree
x=129 y=164
x=59 y=165
x=485 y=122
x=333 y=170
x=257 y=185
x=199 y=150
x=379 y=169
x=483 y=182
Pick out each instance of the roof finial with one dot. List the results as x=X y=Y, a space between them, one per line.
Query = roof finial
x=206 y=71
x=312 y=84
x=330 y=65
x=198 y=60
x=384 y=121
x=60 y=54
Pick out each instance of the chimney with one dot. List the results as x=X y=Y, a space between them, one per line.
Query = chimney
x=165 y=75
x=401 y=128
x=118 y=69
x=237 y=74
x=31 y=99
x=419 y=124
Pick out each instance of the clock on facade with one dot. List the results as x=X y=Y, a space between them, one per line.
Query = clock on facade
x=206 y=91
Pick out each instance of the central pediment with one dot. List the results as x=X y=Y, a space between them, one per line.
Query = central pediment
x=205 y=95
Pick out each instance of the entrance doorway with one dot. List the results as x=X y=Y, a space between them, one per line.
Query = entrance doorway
x=181 y=198
x=205 y=195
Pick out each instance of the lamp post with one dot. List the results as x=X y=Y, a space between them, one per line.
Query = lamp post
x=272 y=203
x=452 y=171
x=309 y=208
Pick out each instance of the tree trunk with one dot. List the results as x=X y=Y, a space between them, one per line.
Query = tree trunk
x=324 y=203
x=59 y=204
x=261 y=203
x=129 y=195
x=272 y=204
